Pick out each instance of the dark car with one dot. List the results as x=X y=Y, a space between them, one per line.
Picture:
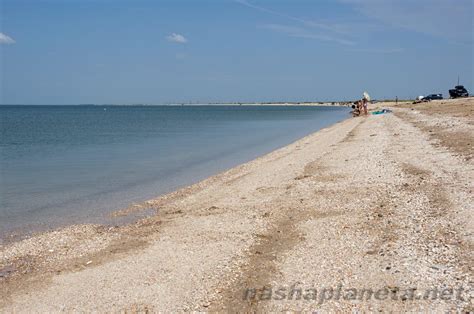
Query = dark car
x=458 y=91
x=433 y=97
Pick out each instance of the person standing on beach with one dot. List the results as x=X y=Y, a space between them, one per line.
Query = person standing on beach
x=359 y=106
x=365 y=103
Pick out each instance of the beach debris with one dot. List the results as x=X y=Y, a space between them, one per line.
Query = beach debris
x=6 y=271
x=301 y=177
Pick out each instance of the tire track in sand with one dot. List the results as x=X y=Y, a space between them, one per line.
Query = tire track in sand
x=280 y=238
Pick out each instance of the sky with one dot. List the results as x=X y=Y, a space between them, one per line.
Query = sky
x=208 y=51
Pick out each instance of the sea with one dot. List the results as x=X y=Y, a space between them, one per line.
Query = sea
x=63 y=165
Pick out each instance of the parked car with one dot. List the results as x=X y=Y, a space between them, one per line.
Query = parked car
x=433 y=97
x=458 y=91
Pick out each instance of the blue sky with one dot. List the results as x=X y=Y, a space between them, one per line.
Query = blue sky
x=170 y=51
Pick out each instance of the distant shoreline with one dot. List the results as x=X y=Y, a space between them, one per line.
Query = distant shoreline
x=312 y=104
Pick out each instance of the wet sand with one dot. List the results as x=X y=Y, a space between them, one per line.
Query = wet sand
x=383 y=202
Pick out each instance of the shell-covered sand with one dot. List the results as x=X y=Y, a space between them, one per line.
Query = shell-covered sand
x=381 y=203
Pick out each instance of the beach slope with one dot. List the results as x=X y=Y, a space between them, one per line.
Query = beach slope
x=383 y=203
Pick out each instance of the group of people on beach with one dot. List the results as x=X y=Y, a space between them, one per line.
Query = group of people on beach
x=360 y=106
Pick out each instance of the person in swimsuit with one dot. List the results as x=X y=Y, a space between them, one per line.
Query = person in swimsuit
x=365 y=103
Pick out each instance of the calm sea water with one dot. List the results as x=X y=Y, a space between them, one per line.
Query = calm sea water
x=70 y=164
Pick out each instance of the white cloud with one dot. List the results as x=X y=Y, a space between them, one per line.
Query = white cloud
x=5 y=39
x=177 y=38
x=300 y=32
x=440 y=18
x=331 y=31
x=379 y=50
x=309 y=23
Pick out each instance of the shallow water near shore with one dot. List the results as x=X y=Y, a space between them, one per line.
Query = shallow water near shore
x=74 y=164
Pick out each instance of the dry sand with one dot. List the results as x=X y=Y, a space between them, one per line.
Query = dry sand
x=382 y=203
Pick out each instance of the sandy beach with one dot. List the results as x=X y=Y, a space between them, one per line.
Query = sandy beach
x=381 y=203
